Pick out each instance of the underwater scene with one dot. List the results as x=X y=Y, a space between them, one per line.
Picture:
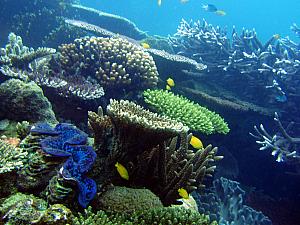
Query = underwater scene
x=127 y=112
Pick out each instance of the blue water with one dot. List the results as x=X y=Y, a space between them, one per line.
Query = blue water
x=268 y=17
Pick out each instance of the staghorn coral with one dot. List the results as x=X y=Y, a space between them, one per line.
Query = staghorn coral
x=181 y=109
x=11 y=158
x=17 y=55
x=24 y=101
x=126 y=200
x=114 y=62
x=126 y=135
x=167 y=215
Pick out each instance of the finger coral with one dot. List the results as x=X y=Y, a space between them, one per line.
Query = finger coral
x=17 y=55
x=11 y=158
x=114 y=62
x=191 y=114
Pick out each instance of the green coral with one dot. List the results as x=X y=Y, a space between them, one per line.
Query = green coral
x=167 y=215
x=11 y=158
x=191 y=114
x=24 y=101
x=123 y=199
x=22 y=209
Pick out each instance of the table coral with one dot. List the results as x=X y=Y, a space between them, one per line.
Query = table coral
x=191 y=114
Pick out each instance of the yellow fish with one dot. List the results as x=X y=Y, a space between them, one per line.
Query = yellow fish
x=168 y=87
x=183 y=193
x=220 y=13
x=159 y=2
x=170 y=82
x=122 y=171
x=196 y=142
x=145 y=45
x=276 y=36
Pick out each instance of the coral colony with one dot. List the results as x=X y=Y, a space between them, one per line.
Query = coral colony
x=128 y=164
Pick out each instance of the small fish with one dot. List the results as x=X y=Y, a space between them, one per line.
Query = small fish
x=159 y=2
x=184 y=1
x=145 y=45
x=210 y=8
x=276 y=36
x=170 y=82
x=168 y=88
x=196 y=142
x=183 y=193
x=122 y=171
x=220 y=13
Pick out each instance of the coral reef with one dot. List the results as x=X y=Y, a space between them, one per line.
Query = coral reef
x=17 y=55
x=224 y=203
x=114 y=23
x=147 y=216
x=272 y=66
x=181 y=109
x=113 y=62
x=24 y=101
x=11 y=158
x=28 y=209
x=228 y=104
x=282 y=145
x=126 y=200
x=67 y=141
x=153 y=160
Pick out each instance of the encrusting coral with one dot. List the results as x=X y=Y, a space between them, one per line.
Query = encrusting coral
x=24 y=101
x=28 y=209
x=114 y=62
x=191 y=114
x=126 y=200
x=150 y=151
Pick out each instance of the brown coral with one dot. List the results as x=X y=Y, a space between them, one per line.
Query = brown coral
x=114 y=62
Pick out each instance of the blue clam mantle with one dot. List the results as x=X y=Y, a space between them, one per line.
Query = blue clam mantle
x=65 y=140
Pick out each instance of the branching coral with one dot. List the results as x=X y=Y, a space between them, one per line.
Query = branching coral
x=127 y=136
x=114 y=62
x=167 y=215
x=17 y=55
x=11 y=158
x=181 y=109
x=225 y=204
x=283 y=146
